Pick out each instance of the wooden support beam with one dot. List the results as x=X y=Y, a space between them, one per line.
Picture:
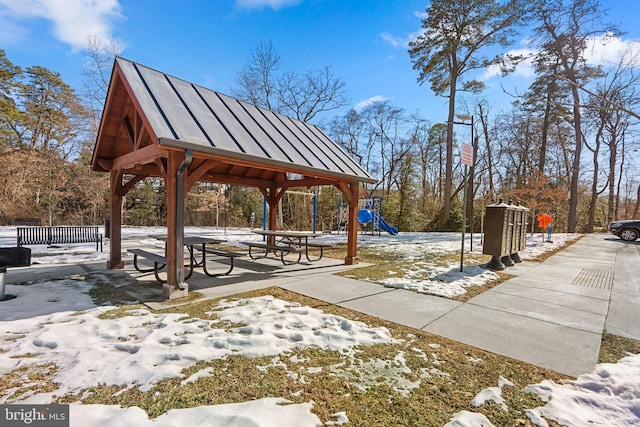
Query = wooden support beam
x=236 y=180
x=197 y=173
x=305 y=182
x=171 y=289
x=129 y=185
x=141 y=156
x=115 y=221
x=131 y=137
x=351 y=192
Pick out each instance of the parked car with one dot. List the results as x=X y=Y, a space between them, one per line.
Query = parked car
x=628 y=230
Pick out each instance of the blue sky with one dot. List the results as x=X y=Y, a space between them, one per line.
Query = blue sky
x=208 y=41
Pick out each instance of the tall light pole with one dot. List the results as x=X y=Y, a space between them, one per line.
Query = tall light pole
x=467 y=160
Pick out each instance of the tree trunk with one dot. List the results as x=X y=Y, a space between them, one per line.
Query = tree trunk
x=448 y=178
x=594 y=187
x=575 y=172
x=612 y=181
x=545 y=132
x=489 y=159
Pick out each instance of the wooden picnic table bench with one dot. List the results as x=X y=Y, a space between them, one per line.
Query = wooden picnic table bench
x=223 y=253
x=316 y=245
x=193 y=243
x=301 y=239
x=54 y=235
x=283 y=249
x=159 y=261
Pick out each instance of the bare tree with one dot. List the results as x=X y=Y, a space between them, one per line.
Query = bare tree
x=300 y=96
x=563 y=32
x=99 y=57
x=385 y=130
x=455 y=34
x=257 y=81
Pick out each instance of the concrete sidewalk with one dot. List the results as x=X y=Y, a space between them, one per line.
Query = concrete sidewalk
x=552 y=314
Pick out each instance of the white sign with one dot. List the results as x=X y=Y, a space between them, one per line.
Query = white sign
x=467 y=154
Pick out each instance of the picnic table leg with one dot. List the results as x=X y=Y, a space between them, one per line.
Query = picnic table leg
x=204 y=267
x=283 y=252
x=266 y=252
x=194 y=262
x=145 y=270
x=306 y=251
x=155 y=270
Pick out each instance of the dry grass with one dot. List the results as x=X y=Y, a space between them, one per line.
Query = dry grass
x=447 y=376
x=28 y=379
x=614 y=348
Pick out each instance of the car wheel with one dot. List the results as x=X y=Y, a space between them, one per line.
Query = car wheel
x=629 y=235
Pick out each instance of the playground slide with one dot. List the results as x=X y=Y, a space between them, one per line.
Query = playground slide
x=384 y=225
x=365 y=216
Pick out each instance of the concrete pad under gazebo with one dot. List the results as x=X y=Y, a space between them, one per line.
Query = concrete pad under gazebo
x=156 y=125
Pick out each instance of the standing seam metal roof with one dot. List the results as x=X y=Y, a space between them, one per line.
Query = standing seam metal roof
x=185 y=115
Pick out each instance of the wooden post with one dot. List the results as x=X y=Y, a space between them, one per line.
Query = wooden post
x=115 y=225
x=170 y=289
x=351 y=192
x=272 y=222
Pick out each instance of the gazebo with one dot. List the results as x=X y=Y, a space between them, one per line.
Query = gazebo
x=156 y=125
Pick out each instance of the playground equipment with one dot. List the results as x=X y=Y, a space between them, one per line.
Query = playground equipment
x=342 y=218
x=371 y=212
x=314 y=220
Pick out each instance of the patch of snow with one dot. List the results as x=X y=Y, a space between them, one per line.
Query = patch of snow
x=492 y=394
x=268 y=412
x=469 y=419
x=610 y=396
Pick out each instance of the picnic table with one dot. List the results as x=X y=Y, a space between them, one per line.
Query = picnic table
x=193 y=244
x=286 y=242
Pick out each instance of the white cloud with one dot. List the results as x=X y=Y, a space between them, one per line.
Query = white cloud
x=421 y=14
x=607 y=50
x=393 y=40
x=364 y=104
x=261 y=4
x=74 y=21
x=604 y=50
x=524 y=69
x=400 y=42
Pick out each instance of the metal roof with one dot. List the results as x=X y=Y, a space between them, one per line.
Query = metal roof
x=185 y=115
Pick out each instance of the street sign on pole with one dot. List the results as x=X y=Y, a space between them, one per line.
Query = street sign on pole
x=467 y=154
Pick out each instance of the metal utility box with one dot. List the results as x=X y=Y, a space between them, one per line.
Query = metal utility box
x=498 y=232
x=15 y=257
x=505 y=228
x=12 y=257
x=519 y=239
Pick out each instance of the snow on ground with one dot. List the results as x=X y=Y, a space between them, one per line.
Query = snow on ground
x=144 y=348
x=416 y=249
x=422 y=275
x=609 y=396
x=268 y=412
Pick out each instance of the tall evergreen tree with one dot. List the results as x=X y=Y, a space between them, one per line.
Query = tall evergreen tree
x=455 y=34
x=564 y=30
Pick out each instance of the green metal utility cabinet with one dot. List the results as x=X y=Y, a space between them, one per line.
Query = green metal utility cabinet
x=505 y=228
x=519 y=239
